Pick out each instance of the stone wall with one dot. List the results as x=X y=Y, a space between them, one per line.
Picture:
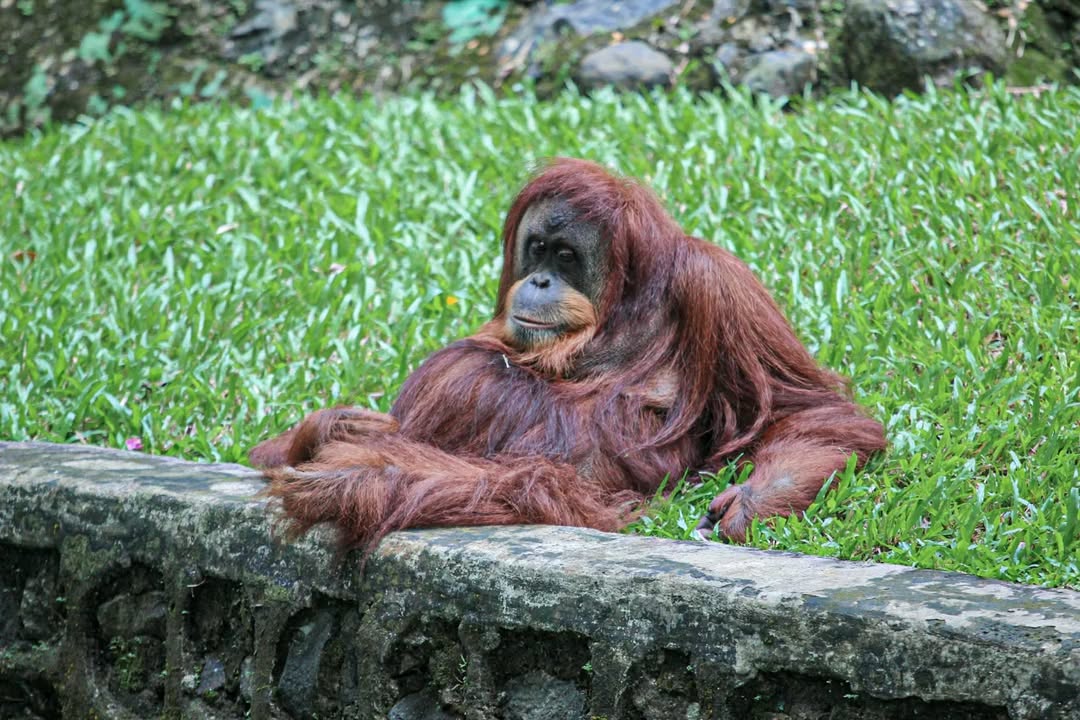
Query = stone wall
x=135 y=586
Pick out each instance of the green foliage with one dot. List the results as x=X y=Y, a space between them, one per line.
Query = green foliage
x=146 y=21
x=141 y=20
x=35 y=91
x=468 y=19
x=253 y=61
x=31 y=108
x=195 y=85
x=201 y=279
x=127 y=663
x=94 y=46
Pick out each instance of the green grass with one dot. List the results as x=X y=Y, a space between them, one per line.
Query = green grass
x=203 y=277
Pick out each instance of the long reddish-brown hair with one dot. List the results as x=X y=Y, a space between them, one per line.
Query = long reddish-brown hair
x=730 y=346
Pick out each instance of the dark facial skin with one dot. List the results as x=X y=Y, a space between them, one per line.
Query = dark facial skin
x=559 y=264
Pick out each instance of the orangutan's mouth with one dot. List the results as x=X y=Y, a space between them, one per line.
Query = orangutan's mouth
x=531 y=324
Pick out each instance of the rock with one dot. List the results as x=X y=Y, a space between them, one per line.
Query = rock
x=247 y=676
x=539 y=696
x=754 y=34
x=629 y=65
x=780 y=73
x=586 y=17
x=296 y=689
x=726 y=55
x=9 y=614
x=582 y=18
x=1067 y=7
x=204 y=711
x=724 y=9
x=270 y=17
x=714 y=27
x=189 y=681
x=1045 y=42
x=38 y=608
x=654 y=698
x=419 y=706
x=212 y=677
x=782 y=7
x=891 y=45
x=129 y=615
x=269 y=32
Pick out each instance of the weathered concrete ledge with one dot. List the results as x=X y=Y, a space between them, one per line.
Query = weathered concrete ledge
x=135 y=586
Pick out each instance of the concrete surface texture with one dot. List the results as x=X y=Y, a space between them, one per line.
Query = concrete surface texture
x=135 y=586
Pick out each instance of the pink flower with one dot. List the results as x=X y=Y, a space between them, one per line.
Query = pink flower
x=133 y=443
